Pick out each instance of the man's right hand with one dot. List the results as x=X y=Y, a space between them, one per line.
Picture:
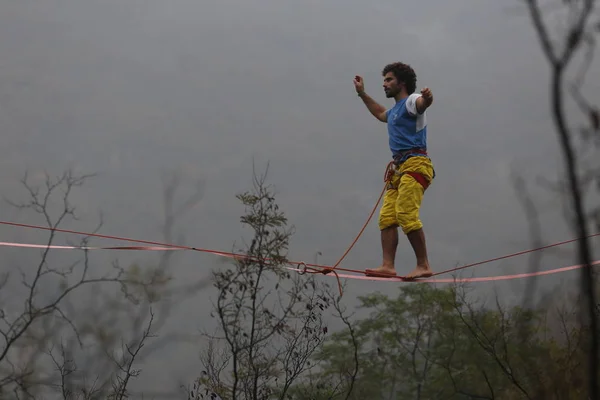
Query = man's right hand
x=359 y=84
x=377 y=110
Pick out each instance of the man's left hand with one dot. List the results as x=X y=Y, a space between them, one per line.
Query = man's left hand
x=427 y=96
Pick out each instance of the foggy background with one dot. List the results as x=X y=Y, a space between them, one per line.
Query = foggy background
x=135 y=90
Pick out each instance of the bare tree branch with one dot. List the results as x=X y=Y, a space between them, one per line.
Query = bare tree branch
x=49 y=313
x=126 y=361
x=578 y=33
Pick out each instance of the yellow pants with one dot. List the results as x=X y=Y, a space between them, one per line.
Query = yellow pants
x=402 y=200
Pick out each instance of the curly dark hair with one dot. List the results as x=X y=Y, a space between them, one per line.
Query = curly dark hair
x=403 y=73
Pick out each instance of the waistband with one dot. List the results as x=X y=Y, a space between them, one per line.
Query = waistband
x=403 y=155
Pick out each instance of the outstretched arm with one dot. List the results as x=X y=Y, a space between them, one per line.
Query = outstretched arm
x=424 y=101
x=375 y=108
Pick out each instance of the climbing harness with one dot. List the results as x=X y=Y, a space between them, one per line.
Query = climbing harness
x=400 y=158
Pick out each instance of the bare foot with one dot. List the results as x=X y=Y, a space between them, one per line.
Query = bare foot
x=383 y=272
x=421 y=271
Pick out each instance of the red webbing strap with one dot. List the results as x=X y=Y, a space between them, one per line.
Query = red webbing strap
x=419 y=178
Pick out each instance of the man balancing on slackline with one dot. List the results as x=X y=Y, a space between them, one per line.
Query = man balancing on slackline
x=413 y=170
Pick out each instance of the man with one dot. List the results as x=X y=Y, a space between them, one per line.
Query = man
x=413 y=170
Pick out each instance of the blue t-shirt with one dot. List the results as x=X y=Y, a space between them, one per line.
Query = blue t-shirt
x=407 y=129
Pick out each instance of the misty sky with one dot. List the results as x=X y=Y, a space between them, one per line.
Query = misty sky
x=132 y=90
